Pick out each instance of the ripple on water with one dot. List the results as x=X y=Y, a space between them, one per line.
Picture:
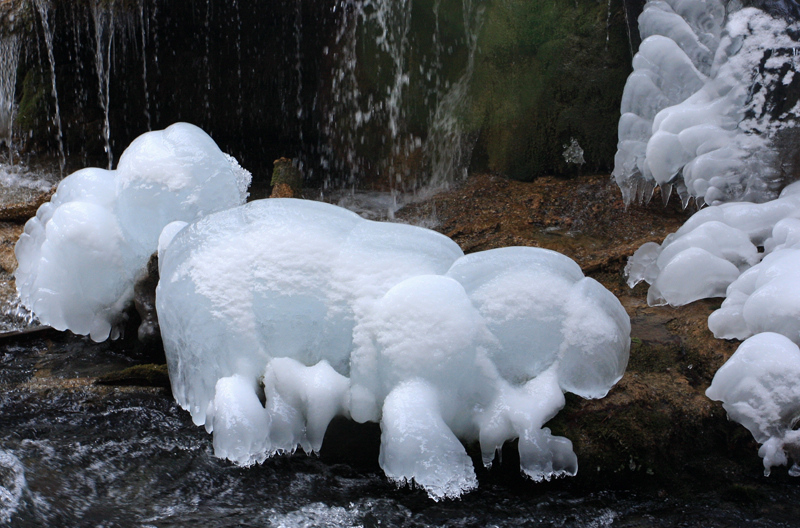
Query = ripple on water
x=12 y=485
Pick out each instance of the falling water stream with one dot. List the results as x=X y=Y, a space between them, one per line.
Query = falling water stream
x=44 y=8
x=9 y=59
x=103 y=17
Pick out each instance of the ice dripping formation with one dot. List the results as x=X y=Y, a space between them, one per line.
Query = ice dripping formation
x=80 y=255
x=390 y=323
x=726 y=144
x=706 y=110
x=278 y=315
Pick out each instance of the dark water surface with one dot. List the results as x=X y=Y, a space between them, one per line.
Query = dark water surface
x=74 y=453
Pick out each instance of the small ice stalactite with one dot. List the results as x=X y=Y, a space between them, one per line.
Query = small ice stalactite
x=380 y=322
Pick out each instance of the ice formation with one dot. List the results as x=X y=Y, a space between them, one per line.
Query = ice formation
x=750 y=254
x=281 y=314
x=706 y=108
x=79 y=256
x=712 y=249
x=759 y=389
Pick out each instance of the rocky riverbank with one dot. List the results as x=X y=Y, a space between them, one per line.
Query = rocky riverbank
x=655 y=432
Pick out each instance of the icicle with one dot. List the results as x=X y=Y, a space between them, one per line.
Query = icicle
x=666 y=192
x=683 y=193
x=648 y=189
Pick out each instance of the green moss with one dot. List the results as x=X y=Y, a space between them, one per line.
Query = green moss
x=32 y=115
x=549 y=71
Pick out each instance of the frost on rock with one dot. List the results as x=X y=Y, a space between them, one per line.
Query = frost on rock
x=759 y=389
x=281 y=314
x=79 y=257
x=711 y=107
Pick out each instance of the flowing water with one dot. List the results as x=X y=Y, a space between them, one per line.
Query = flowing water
x=75 y=453
x=45 y=10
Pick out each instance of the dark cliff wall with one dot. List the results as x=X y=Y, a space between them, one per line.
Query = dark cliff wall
x=260 y=77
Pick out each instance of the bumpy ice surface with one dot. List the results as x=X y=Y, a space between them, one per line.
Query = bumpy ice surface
x=706 y=108
x=750 y=254
x=281 y=314
x=759 y=389
x=79 y=256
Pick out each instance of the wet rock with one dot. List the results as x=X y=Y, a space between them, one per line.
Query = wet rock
x=287 y=180
x=149 y=375
x=144 y=299
x=22 y=209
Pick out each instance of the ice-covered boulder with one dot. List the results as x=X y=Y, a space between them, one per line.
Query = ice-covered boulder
x=281 y=314
x=710 y=251
x=79 y=257
x=718 y=130
x=765 y=298
x=759 y=389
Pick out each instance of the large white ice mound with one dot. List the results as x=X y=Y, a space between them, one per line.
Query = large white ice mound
x=79 y=257
x=759 y=389
x=711 y=128
x=281 y=314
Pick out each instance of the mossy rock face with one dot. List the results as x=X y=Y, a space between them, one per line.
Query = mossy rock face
x=33 y=116
x=549 y=72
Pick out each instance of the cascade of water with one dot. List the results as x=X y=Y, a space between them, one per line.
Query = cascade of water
x=143 y=24
x=448 y=148
x=44 y=8
x=103 y=15
x=298 y=35
x=9 y=59
x=153 y=28
x=240 y=106
x=419 y=133
x=207 y=64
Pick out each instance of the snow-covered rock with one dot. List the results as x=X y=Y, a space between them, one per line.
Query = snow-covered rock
x=709 y=104
x=281 y=314
x=759 y=389
x=79 y=257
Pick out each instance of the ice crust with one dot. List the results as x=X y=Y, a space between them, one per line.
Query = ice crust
x=759 y=389
x=750 y=254
x=80 y=255
x=697 y=114
x=278 y=315
x=708 y=254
